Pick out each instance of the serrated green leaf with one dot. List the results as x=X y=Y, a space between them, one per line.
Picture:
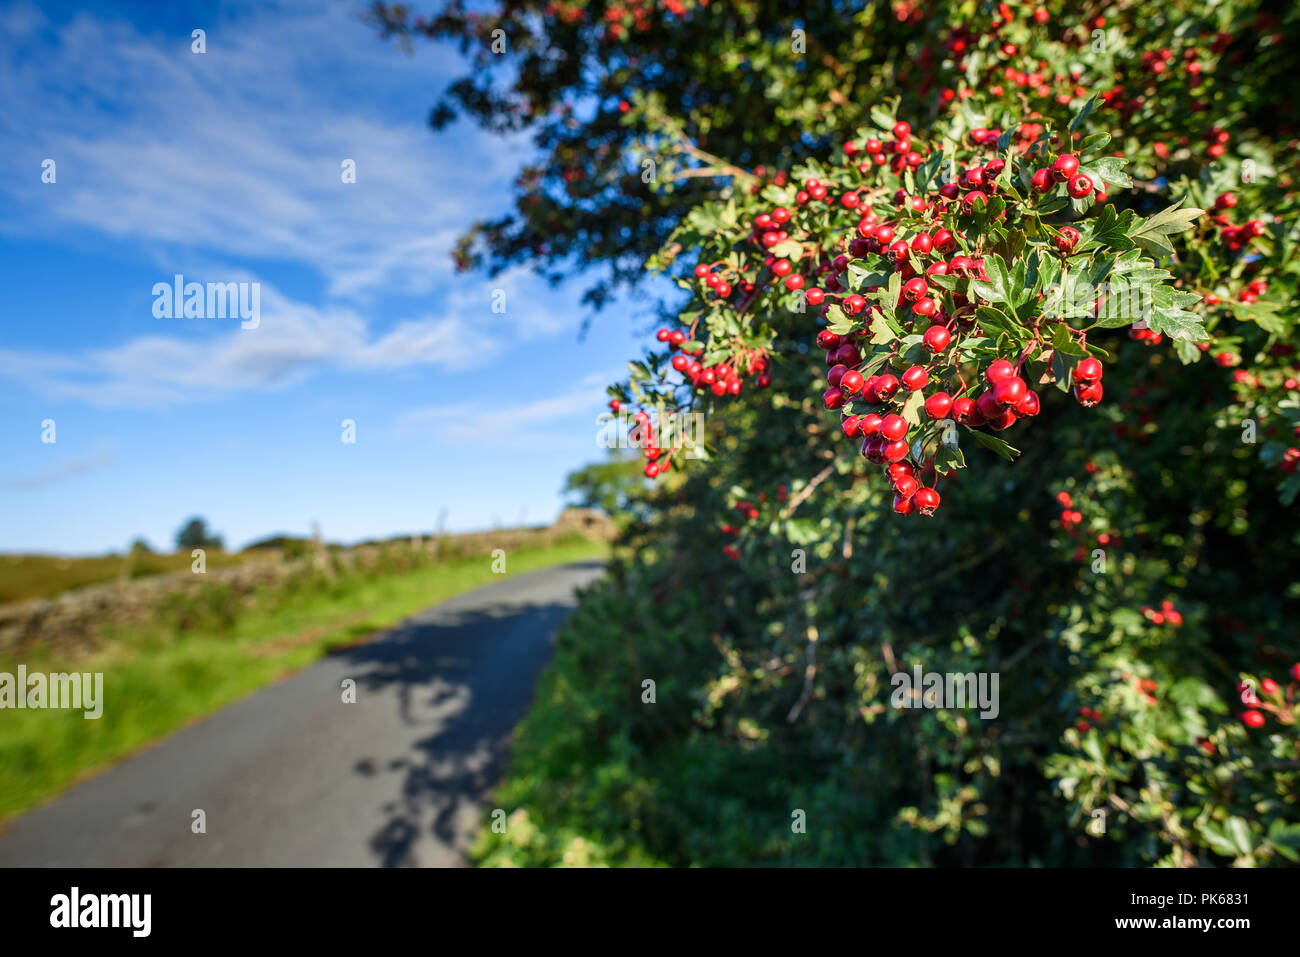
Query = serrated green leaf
x=1151 y=233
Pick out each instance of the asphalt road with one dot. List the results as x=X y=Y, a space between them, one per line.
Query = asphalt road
x=293 y=776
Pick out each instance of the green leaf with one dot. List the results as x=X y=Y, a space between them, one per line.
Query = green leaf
x=1168 y=315
x=911 y=410
x=881 y=331
x=861 y=276
x=1151 y=233
x=1085 y=111
x=1066 y=344
x=994 y=444
x=838 y=322
x=999 y=286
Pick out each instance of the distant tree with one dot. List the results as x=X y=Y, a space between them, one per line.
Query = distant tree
x=141 y=547
x=609 y=486
x=195 y=534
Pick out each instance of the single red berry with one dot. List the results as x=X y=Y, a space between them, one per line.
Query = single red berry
x=938 y=405
x=1065 y=167
x=914 y=289
x=998 y=370
x=869 y=424
x=937 y=338
x=915 y=379
x=815 y=296
x=927 y=500
x=1028 y=406
x=1010 y=390
x=1088 y=394
x=1042 y=180
x=851 y=381
x=1080 y=186
x=853 y=304
x=895 y=451
x=886 y=387
x=1252 y=719
x=1068 y=239
x=905 y=486
x=893 y=426
x=1088 y=370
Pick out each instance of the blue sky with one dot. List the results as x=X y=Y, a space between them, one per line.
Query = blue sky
x=225 y=167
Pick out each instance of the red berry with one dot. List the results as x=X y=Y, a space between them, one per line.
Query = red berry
x=886 y=387
x=937 y=338
x=895 y=451
x=914 y=289
x=851 y=381
x=905 y=486
x=938 y=405
x=927 y=500
x=1088 y=394
x=1010 y=391
x=893 y=426
x=1028 y=406
x=1068 y=239
x=1065 y=167
x=1252 y=719
x=1080 y=186
x=1088 y=370
x=815 y=296
x=998 y=370
x=915 y=379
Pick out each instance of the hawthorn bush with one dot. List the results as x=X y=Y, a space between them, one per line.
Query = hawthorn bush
x=991 y=311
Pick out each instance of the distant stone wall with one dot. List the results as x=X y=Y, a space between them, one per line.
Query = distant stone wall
x=75 y=621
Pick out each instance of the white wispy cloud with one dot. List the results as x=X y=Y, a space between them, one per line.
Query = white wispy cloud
x=486 y=422
x=231 y=158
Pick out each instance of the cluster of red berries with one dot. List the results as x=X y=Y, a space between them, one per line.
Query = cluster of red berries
x=1087 y=382
x=716 y=281
x=1147 y=688
x=1237 y=237
x=1065 y=170
x=1087 y=715
x=1167 y=615
x=724 y=378
x=878 y=153
x=749 y=511
x=1146 y=335
x=643 y=437
x=1276 y=702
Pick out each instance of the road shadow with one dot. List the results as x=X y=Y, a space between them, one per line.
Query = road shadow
x=469 y=677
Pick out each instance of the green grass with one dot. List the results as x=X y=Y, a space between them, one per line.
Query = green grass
x=159 y=681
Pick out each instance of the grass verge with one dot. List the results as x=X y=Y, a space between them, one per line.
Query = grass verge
x=158 y=681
